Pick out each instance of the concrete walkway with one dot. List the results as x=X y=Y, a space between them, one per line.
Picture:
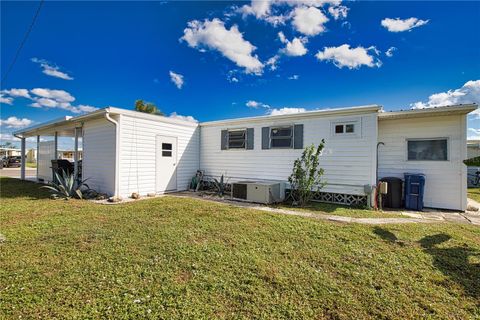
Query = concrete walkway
x=430 y=216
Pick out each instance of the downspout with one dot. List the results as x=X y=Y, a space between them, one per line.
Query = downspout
x=117 y=150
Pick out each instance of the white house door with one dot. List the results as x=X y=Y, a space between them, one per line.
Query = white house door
x=166 y=163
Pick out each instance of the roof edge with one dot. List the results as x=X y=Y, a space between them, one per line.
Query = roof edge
x=457 y=108
x=324 y=112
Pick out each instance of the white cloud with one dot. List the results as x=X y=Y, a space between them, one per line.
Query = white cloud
x=177 y=79
x=8 y=137
x=174 y=115
x=14 y=122
x=352 y=58
x=16 y=93
x=258 y=8
x=83 y=108
x=294 y=77
x=294 y=48
x=51 y=70
x=272 y=62
x=468 y=93
x=309 y=20
x=400 y=25
x=255 y=104
x=282 y=111
x=48 y=98
x=6 y=100
x=57 y=95
x=213 y=35
x=473 y=134
x=338 y=12
x=389 y=52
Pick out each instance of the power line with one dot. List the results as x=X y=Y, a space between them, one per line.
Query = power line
x=20 y=47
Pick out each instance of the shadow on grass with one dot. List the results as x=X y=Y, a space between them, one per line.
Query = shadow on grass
x=16 y=188
x=453 y=262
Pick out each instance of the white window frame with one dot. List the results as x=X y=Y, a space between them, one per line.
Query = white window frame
x=344 y=124
x=292 y=137
x=245 y=140
x=423 y=139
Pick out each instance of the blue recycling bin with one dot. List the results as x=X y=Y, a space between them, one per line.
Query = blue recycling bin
x=414 y=191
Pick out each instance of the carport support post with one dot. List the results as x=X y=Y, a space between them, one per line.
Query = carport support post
x=22 y=165
x=56 y=145
x=75 y=154
x=38 y=152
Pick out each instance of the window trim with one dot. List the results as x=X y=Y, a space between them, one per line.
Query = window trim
x=245 y=140
x=292 y=136
x=423 y=139
x=344 y=124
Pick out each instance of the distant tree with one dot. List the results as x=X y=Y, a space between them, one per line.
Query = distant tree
x=147 y=107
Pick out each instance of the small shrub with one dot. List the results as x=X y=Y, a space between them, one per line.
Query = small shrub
x=220 y=186
x=306 y=175
x=66 y=187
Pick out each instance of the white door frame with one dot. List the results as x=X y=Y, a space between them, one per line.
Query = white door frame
x=158 y=153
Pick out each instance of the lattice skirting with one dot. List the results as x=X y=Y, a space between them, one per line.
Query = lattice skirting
x=339 y=198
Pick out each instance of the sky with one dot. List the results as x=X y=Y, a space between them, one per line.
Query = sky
x=214 y=60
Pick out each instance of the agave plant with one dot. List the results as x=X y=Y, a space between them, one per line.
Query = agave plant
x=220 y=185
x=66 y=186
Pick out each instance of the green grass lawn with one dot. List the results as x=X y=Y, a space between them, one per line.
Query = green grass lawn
x=474 y=193
x=337 y=210
x=30 y=165
x=185 y=258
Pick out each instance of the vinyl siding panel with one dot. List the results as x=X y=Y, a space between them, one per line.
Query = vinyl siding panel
x=99 y=155
x=349 y=161
x=137 y=154
x=445 y=185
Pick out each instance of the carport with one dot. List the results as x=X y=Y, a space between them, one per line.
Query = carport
x=47 y=137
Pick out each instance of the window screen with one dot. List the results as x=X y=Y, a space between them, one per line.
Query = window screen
x=166 y=149
x=281 y=137
x=237 y=139
x=431 y=149
x=339 y=128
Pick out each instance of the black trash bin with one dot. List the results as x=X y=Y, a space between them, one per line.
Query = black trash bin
x=393 y=198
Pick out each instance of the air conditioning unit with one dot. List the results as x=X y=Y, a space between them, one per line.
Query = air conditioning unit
x=260 y=192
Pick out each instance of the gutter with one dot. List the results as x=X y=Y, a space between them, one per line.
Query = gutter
x=117 y=150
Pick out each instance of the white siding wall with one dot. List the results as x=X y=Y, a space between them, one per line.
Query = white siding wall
x=99 y=155
x=349 y=162
x=137 y=153
x=445 y=180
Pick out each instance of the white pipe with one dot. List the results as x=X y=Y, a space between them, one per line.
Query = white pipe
x=117 y=150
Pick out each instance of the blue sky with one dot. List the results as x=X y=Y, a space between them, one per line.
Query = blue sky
x=215 y=60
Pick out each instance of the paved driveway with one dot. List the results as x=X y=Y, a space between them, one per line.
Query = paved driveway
x=15 y=172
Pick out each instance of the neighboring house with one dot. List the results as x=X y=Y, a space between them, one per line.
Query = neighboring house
x=126 y=151
x=69 y=154
x=9 y=152
x=31 y=155
x=473 y=149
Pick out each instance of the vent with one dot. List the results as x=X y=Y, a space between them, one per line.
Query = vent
x=239 y=191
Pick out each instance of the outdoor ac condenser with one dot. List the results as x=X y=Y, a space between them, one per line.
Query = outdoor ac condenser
x=259 y=192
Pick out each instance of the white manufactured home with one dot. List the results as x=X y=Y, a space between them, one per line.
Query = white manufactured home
x=126 y=151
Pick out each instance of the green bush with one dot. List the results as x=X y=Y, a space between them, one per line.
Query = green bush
x=306 y=176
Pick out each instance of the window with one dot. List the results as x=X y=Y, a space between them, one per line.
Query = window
x=237 y=139
x=427 y=150
x=281 y=137
x=166 y=149
x=343 y=128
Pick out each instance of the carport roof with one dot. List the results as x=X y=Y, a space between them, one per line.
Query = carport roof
x=66 y=126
